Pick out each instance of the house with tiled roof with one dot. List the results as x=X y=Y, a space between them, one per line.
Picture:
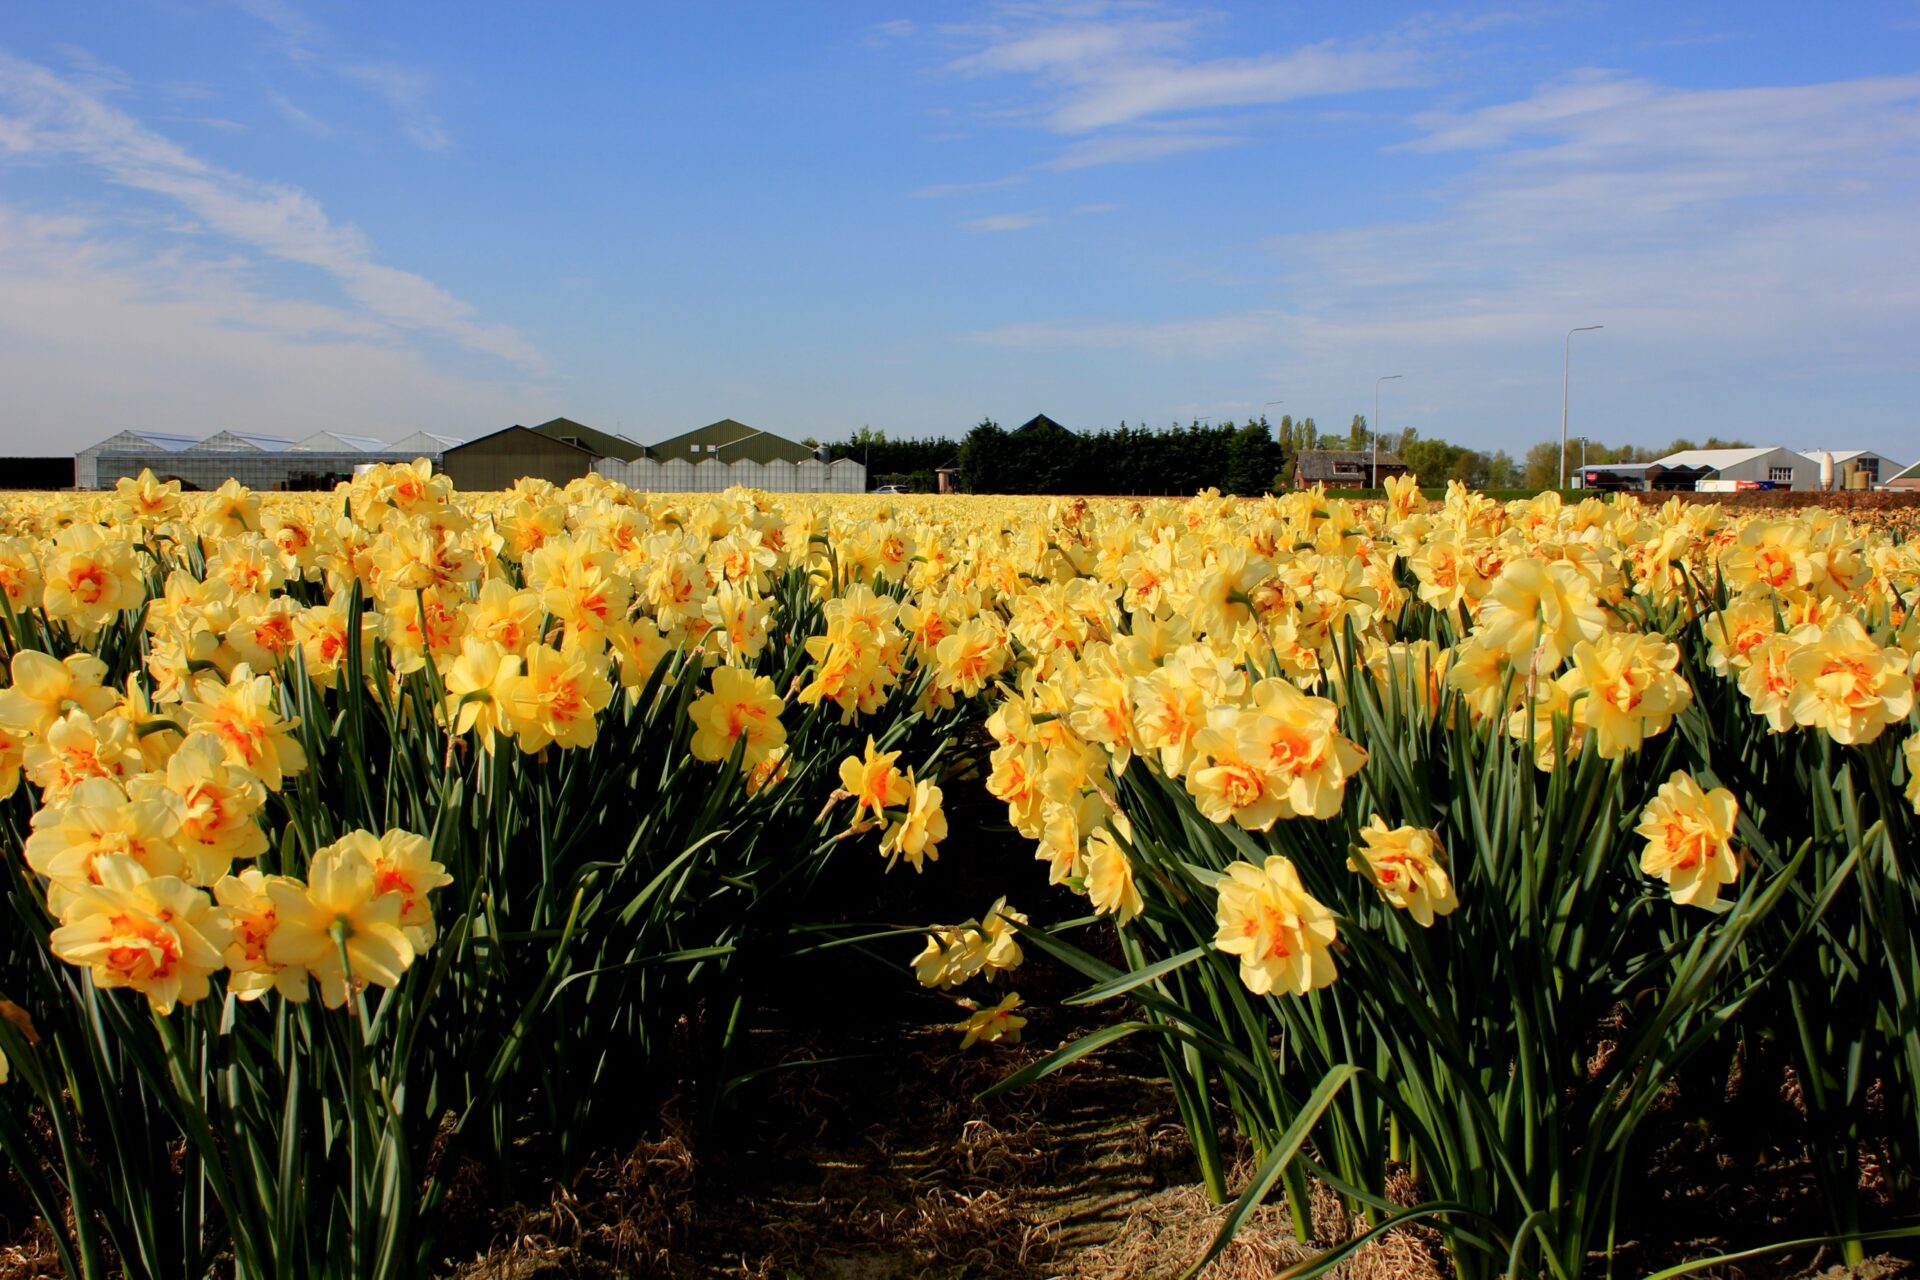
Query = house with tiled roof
x=1345 y=468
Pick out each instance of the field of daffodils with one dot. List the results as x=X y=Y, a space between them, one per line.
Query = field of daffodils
x=361 y=845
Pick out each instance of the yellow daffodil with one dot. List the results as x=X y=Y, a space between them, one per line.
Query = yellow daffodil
x=77 y=747
x=554 y=700
x=90 y=578
x=155 y=934
x=916 y=833
x=1282 y=934
x=43 y=689
x=1911 y=752
x=479 y=685
x=1847 y=685
x=986 y=948
x=218 y=803
x=20 y=579
x=242 y=714
x=1407 y=867
x=874 y=782
x=1536 y=612
x=1689 y=834
x=1109 y=875
x=339 y=929
x=245 y=907
x=742 y=708
x=98 y=820
x=403 y=866
x=998 y=1025
x=1625 y=689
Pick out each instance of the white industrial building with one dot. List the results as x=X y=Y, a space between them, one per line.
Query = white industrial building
x=1729 y=469
x=1782 y=468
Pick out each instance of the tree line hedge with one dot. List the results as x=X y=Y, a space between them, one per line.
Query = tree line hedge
x=1044 y=457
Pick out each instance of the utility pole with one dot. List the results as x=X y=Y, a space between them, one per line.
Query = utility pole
x=1373 y=480
x=1566 y=361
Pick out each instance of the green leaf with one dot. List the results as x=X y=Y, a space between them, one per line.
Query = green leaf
x=1139 y=977
x=1278 y=1158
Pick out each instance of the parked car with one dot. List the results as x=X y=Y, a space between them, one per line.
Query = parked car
x=893 y=488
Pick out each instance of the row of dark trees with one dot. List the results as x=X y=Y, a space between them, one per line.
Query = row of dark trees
x=884 y=457
x=1246 y=459
x=1044 y=457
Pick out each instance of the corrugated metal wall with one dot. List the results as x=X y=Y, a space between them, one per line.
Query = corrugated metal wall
x=493 y=462
x=677 y=475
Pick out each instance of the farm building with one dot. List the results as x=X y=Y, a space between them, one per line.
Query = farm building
x=1615 y=476
x=714 y=457
x=1040 y=423
x=1345 y=468
x=265 y=462
x=1907 y=481
x=496 y=460
x=1783 y=468
x=729 y=441
x=1861 y=468
x=152 y=447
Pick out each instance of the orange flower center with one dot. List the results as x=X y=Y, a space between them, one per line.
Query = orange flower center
x=88 y=583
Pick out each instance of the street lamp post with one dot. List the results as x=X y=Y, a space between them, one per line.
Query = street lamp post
x=1374 y=478
x=1566 y=360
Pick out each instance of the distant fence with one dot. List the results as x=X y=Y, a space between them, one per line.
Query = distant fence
x=710 y=475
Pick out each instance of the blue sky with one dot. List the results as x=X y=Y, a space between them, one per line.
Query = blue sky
x=289 y=216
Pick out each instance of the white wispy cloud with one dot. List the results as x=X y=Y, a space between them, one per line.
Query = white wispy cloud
x=1120 y=68
x=46 y=118
x=296 y=32
x=407 y=91
x=1005 y=221
x=1134 y=148
x=1038 y=41
x=1201 y=336
x=98 y=332
x=942 y=190
x=1704 y=206
x=298 y=116
x=1726 y=238
x=1139 y=91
